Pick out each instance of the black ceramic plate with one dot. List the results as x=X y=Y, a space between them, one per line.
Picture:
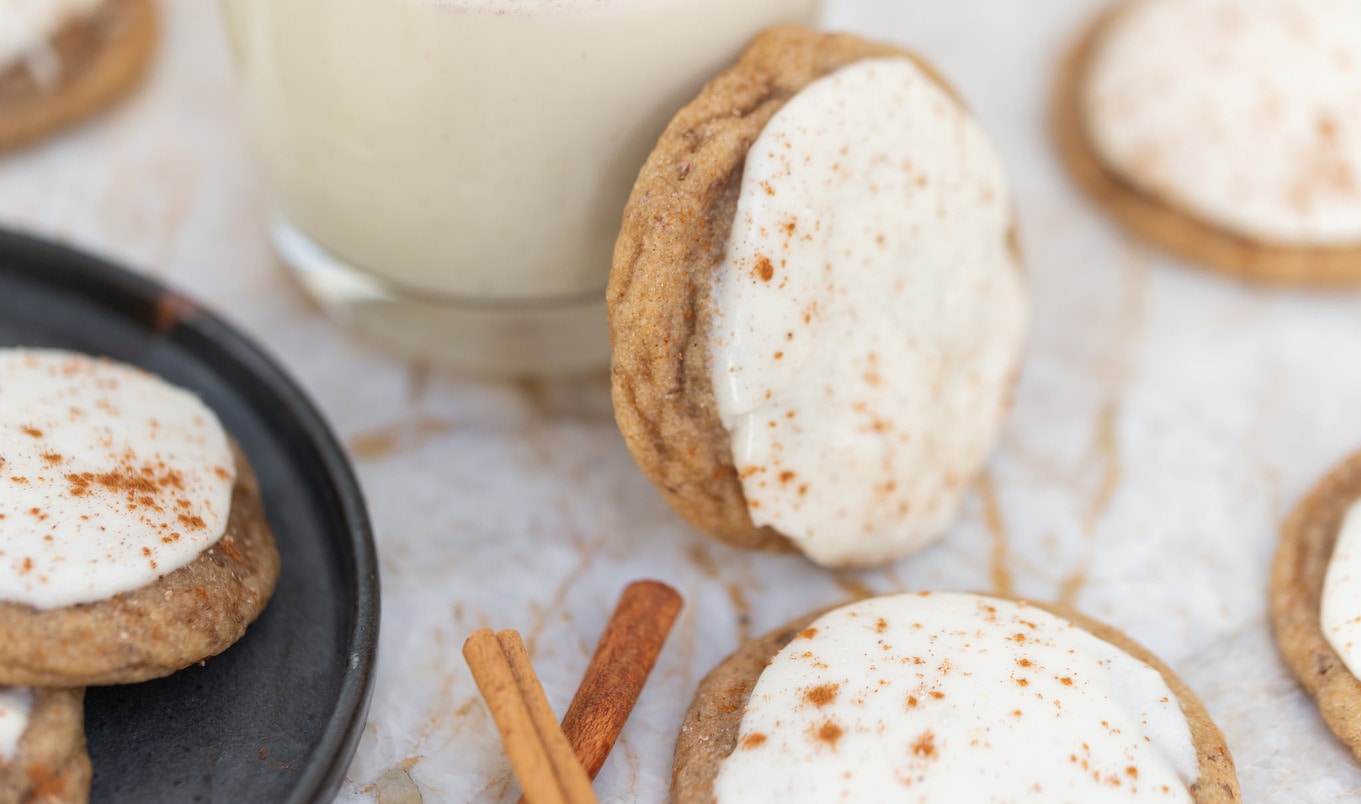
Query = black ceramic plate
x=277 y=716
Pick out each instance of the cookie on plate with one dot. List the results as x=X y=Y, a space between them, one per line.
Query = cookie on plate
x=816 y=306
x=1225 y=131
x=133 y=539
x=947 y=697
x=63 y=60
x=1315 y=599
x=42 y=746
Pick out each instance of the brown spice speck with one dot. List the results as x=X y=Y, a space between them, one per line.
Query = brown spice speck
x=829 y=733
x=754 y=740
x=765 y=269
x=31 y=431
x=822 y=695
x=807 y=633
x=925 y=745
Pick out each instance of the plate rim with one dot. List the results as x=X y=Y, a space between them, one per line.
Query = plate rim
x=164 y=311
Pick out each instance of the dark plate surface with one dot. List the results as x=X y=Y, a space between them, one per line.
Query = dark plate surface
x=277 y=716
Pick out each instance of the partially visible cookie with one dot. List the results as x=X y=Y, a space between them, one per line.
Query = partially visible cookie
x=133 y=533
x=1213 y=130
x=816 y=308
x=42 y=746
x=91 y=60
x=828 y=725
x=1315 y=598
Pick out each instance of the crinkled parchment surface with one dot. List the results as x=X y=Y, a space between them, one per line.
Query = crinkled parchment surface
x=1165 y=424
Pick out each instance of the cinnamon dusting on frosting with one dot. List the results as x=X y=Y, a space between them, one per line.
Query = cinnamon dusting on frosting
x=123 y=475
x=992 y=697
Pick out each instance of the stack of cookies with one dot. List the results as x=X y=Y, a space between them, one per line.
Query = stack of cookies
x=133 y=543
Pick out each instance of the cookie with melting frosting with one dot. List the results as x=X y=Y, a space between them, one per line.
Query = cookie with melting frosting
x=95 y=55
x=133 y=538
x=1315 y=609
x=892 y=693
x=1225 y=132
x=816 y=305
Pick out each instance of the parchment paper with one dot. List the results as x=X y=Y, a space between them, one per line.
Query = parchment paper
x=1165 y=424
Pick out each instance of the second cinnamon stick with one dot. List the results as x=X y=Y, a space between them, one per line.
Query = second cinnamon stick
x=615 y=677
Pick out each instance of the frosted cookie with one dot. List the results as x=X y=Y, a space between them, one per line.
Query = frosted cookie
x=816 y=306
x=42 y=746
x=1226 y=131
x=133 y=541
x=62 y=60
x=948 y=697
x=1315 y=599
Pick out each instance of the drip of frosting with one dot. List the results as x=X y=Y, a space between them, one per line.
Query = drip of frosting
x=1243 y=113
x=955 y=697
x=869 y=314
x=109 y=478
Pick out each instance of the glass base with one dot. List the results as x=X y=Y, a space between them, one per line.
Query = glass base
x=501 y=338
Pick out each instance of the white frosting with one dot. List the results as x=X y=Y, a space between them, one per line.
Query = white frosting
x=109 y=478
x=1244 y=113
x=27 y=25
x=1340 y=608
x=870 y=314
x=953 y=697
x=16 y=704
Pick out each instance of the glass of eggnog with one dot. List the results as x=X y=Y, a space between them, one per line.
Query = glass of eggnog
x=448 y=176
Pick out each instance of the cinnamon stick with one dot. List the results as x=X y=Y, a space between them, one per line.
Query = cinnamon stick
x=572 y=778
x=615 y=677
x=528 y=756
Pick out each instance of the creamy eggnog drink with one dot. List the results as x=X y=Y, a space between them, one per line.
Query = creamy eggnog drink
x=449 y=174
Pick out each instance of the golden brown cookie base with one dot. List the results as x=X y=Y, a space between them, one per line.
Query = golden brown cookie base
x=675 y=230
x=709 y=732
x=1296 y=594
x=101 y=59
x=1168 y=226
x=191 y=614
x=51 y=766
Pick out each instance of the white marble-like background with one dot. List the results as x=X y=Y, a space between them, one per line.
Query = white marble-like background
x=1165 y=424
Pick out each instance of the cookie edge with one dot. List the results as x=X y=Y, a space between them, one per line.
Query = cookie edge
x=1295 y=596
x=1176 y=231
